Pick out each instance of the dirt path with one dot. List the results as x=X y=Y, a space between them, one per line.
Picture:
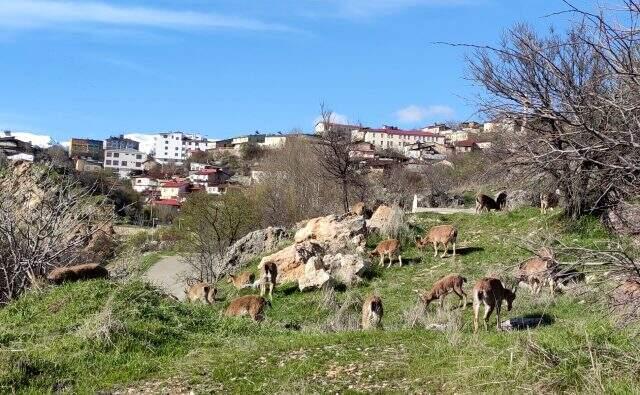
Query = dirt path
x=169 y=274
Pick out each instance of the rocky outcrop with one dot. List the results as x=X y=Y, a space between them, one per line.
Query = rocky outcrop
x=254 y=244
x=333 y=232
x=325 y=251
x=625 y=219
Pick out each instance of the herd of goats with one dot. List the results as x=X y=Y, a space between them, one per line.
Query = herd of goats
x=488 y=292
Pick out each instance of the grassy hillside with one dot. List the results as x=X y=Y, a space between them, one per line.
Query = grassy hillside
x=100 y=335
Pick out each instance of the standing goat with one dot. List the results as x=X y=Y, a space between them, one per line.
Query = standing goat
x=268 y=279
x=372 y=312
x=484 y=202
x=441 y=234
x=390 y=248
x=501 y=200
x=548 y=201
x=446 y=285
x=490 y=292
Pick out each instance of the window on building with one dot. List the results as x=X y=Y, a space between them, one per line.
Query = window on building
x=176 y=148
x=138 y=164
x=123 y=163
x=108 y=162
x=109 y=154
x=138 y=156
x=115 y=163
x=176 y=154
x=116 y=155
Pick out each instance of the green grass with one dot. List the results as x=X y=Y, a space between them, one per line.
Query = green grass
x=50 y=341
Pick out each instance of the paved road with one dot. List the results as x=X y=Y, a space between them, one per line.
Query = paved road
x=445 y=210
x=169 y=274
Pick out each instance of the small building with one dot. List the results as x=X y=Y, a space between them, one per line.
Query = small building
x=173 y=189
x=121 y=143
x=174 y=146
x=363 y=150
x=143 y=184
x=86 y=148
x=87 y=165
x=274 y=141
x=124 y=161
x=465 y=146
x=195 y=166
x=15 y=149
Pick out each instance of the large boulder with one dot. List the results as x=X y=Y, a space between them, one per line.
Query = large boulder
x=291 y=260
x=253 y=244
x=333 y=232
x=380 y=217
x=314 y=275
x=340 y=268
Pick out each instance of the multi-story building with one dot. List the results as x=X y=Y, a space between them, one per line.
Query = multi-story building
x=391 y=137
x=15 y=149
x=121 y=142
x=124 y=161
x=144 y=184
x=86 y=148
x=174 y=146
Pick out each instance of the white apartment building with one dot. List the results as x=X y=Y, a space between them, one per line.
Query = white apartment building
x=124 y=161
x=175 y=146
x=394 y=138
x=143 y=184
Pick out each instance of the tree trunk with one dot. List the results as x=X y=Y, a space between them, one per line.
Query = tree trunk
x=345 y=196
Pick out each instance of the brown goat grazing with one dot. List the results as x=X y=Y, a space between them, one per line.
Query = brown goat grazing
x=490 y=292
x=548 y=201
x=446 y=285
x=484 y=202
x=202 y=292
x=501 y=200
x=250 y=305
x=372 y=312
x=388 y=248
x=441 y=234
x=268 y=280
x=77 y=273
x=242 y=280
x=539 y=270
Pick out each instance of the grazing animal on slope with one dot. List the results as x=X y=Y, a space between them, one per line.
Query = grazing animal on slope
x=372 y=313
x=242 y=280
x=501 y=200
x=268 y=280
x=539 y=270
x=484 y=202
x=490 y=292
x=87 y=271
x=441 y=234
x=390 y=248
x=250 y=305
x=202 y=292
x=446 y=285
x=548 y=201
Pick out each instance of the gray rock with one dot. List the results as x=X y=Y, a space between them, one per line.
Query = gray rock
x=253 y=244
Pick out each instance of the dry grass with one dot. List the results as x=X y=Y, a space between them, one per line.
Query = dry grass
x=102 y=326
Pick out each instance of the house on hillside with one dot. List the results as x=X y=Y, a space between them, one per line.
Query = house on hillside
x=15 y=149
x=143 y=184
x=363 y=150
x=423 y=151
x=124 y=161
x=87 y=164
x=174 y=189
x=465 y=146
x=391 y=137
x=213 y=176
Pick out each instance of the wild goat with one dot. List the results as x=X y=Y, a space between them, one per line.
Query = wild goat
x=202 y=292
x=501 y=200
x=268 y=278
x=242 y=280
x=490 y=292
x=548 y=201
x=388 y=248
x=361 y=208
x=77 y=273
x=443 y=287
x=250 y=305
x=539 y=270
x=441 y=234
x=372 y=312
x=484 y=202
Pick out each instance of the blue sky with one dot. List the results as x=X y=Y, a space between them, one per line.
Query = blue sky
x=225 y=67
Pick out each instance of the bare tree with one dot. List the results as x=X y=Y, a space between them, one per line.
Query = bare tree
x=573 y=103
x=335 y=155
x=46 y=220
x=211 y=225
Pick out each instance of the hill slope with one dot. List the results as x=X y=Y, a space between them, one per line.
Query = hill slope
x=101 y=335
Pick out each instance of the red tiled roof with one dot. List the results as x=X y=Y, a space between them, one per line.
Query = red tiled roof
x=465 y=143
x=174 y=184
x=166 y=202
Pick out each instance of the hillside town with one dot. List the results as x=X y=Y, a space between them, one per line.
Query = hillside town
x=374 y=149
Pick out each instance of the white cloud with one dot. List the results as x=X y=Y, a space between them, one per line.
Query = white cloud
x=42 y=141
x=370 y=8
x=42 y=13
x=414 y=113
x=335 y=118
x=147 y=141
